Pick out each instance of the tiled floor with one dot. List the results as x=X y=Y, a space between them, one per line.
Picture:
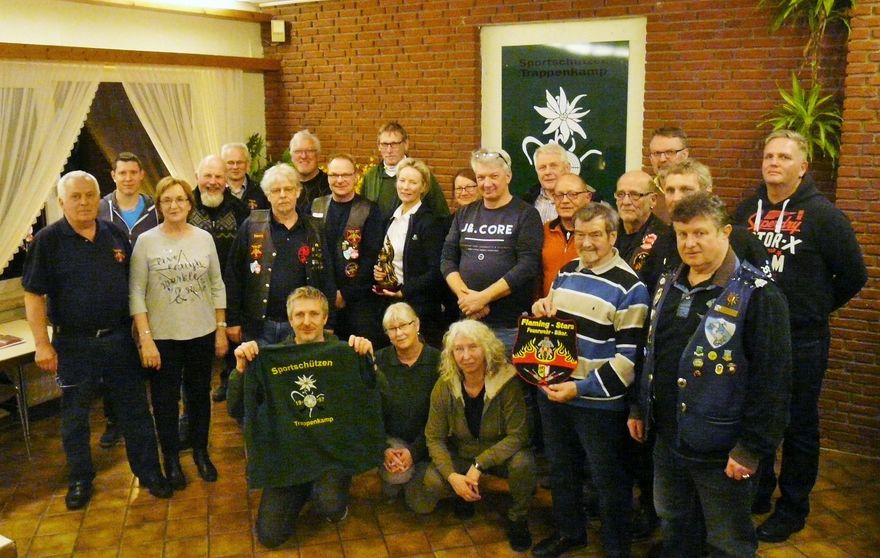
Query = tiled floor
x=216 y=519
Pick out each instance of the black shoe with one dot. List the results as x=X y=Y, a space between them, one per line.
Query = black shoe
x=158 y=486
x=204 y=466
x=643 y=524
x=518 y=535
x=174 y=473
x=760 y=507
x=219 y=394
x=111 y=436
x=778 y=528
x=557 y=546
x=78 y=495
x=462 y=509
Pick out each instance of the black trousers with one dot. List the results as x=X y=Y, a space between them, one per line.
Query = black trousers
x=187 y=362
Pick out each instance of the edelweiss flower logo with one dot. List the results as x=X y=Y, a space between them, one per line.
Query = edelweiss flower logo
x=306 y=383
x=563 y=117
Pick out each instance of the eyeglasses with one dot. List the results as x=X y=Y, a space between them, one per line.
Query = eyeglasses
x=393 y=329
x=482 y=154
x=390 y=144
x=634 y=196
x=571 y=196
x=468 y=189
x=340 y=176
x=303 y=152
x=669 y=153
x=171 y=201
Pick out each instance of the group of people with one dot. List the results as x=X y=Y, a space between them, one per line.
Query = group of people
x=701 y=344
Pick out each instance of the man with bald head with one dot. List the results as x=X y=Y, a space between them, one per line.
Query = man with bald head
x=217 y=210
x=639 y=227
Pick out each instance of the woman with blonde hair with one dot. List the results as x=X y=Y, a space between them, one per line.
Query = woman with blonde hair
x=476 y=423
x=409 y=262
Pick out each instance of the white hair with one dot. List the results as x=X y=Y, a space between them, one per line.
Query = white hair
x=236 y=145
x=278 y=173
x=73 y=175
x=304 y=135
x=552 y=148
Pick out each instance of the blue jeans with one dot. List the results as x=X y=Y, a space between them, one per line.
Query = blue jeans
x=725 y=504
x=570 y=432
x=84 y=364
x=279 y=507
x=800 y=446
x=269 y=332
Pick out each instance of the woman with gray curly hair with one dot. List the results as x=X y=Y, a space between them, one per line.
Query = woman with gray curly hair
x=476 y=423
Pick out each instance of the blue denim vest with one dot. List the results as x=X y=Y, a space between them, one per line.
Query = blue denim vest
x=712 y=370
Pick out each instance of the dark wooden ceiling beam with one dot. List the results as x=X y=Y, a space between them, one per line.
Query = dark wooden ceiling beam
x=113 y=56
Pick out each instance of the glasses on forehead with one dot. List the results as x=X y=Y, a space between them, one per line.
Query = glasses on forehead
x=484 y=155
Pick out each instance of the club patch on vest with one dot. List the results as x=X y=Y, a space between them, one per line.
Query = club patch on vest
x=119 y=255
x=719 y=331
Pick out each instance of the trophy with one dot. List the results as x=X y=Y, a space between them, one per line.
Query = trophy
x=385 y=268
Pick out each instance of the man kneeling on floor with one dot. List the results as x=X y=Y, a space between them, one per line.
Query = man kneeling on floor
x=476 y=423
x=312 y=418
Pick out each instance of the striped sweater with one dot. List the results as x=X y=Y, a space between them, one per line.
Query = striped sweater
x=609 y=305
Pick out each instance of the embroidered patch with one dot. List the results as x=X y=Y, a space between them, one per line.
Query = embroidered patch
x=304 y=253
x=719 y=331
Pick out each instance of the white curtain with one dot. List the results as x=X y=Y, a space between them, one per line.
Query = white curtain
x=42 y=108
x=187 y=112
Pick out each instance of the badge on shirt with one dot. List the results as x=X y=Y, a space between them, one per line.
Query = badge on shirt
x=119 y=255
x=255 y=267
x=303 y=253
x=719 y=331
x=256 y=251
x=351 y=270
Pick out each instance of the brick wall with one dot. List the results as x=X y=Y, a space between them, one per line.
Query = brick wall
x=712 y=67
x=851 y=398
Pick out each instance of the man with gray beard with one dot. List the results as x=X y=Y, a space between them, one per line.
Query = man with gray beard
x=220 y=213
x=217 y=210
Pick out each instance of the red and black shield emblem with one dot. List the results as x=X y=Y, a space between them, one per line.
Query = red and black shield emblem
x=545 y=351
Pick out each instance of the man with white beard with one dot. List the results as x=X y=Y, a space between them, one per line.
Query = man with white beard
x=217 y=210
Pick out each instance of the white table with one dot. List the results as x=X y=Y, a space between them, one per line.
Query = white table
x=13 y=360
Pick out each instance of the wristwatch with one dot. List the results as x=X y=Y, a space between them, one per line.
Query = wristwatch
x=477 y=466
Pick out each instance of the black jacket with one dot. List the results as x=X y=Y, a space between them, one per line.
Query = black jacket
x=421 y=261
x=814 y=255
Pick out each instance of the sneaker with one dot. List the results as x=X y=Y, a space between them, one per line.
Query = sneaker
x=518 y=535
x=111 y=436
